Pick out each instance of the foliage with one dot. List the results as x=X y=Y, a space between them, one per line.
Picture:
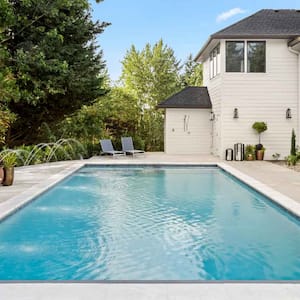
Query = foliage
x=250 y=150
x=114 y=115
x=8 y=88
x=260 y=127
x=293 y=143
x=150 y=76
x=8 y=159
x=292 y=160
x=193 y=73
x=121 y=115
x=52 y=59
x=6 y=118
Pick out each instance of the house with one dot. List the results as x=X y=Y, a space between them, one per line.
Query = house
x=251 y=72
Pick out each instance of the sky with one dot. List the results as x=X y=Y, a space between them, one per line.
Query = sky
x=184 y=25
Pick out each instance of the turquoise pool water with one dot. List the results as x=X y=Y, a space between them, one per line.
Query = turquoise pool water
x=148 y=223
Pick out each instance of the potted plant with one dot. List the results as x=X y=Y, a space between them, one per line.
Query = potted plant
x=9 y=160
x=250 y=152
x=259 y=127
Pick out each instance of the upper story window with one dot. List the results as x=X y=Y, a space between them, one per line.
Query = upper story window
x=214 y=62
x=253 y=59
x=235 y=56
x=256 y=57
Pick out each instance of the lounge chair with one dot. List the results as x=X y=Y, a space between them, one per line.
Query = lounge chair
x=107 y=148
x=128 y=148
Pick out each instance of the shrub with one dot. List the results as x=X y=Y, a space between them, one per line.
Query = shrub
x=292 y=160
x=250 y=151
x=259 y=127
x=293 y=143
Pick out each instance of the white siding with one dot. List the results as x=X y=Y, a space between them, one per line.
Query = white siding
x=258 y=97
x=192 y=136
x=214 y=87
x=262 y=97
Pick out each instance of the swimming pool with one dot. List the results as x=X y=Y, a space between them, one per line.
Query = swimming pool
x=150 y=223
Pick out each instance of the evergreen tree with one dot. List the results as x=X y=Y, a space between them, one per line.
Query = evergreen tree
x=192 y=74
x=293 y=143
x=54 y=60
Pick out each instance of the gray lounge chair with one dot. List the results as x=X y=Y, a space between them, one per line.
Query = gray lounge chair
x=128 y=148
x=107 y=148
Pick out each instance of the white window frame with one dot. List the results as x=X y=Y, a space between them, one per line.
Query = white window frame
x=214 y=62
x=246 y=55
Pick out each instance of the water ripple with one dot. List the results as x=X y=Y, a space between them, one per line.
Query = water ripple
x=146 y=223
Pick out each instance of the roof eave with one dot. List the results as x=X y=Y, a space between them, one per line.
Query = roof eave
x=295 y=43
x=200 y=53
x=254 y=36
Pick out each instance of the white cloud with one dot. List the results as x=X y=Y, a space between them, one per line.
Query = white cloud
x=230 y=13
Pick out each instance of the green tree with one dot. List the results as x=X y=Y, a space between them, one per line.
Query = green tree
x=8 y=89
x=151 y=75
x=192 y=74
x=114 y=115
x=54 y=60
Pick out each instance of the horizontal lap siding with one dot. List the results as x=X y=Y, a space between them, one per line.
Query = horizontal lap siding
x=194 y=139
x=262 y=97
x=214 y=87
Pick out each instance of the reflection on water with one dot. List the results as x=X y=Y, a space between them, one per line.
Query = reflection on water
x=150 y=224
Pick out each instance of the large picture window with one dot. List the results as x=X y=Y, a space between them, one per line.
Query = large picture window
x=251 y=60
x=235 y=56
x=256 y=57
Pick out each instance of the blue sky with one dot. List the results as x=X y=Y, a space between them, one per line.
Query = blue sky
x=184 y=25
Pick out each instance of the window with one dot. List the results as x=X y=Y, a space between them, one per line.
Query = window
x=211 y=66
x=251 y=60
x=256 y=54
x=235 y=56
x=214 y=62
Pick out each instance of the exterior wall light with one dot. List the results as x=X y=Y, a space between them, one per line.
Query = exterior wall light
x=235 y=113
x=288 y=113
x=212 y=116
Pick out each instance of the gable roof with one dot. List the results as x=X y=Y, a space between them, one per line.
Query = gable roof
x=189 y=97
x=266 y=23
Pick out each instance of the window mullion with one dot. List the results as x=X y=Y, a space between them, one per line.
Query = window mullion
x=245 y=56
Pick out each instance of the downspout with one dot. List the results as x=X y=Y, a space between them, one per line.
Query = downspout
x=298 y=103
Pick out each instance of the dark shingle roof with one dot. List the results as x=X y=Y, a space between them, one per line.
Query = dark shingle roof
x=266 y=23
x=281 y=23
x=190 y=97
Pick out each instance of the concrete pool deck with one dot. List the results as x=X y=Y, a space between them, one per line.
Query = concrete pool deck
x=276 y=180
